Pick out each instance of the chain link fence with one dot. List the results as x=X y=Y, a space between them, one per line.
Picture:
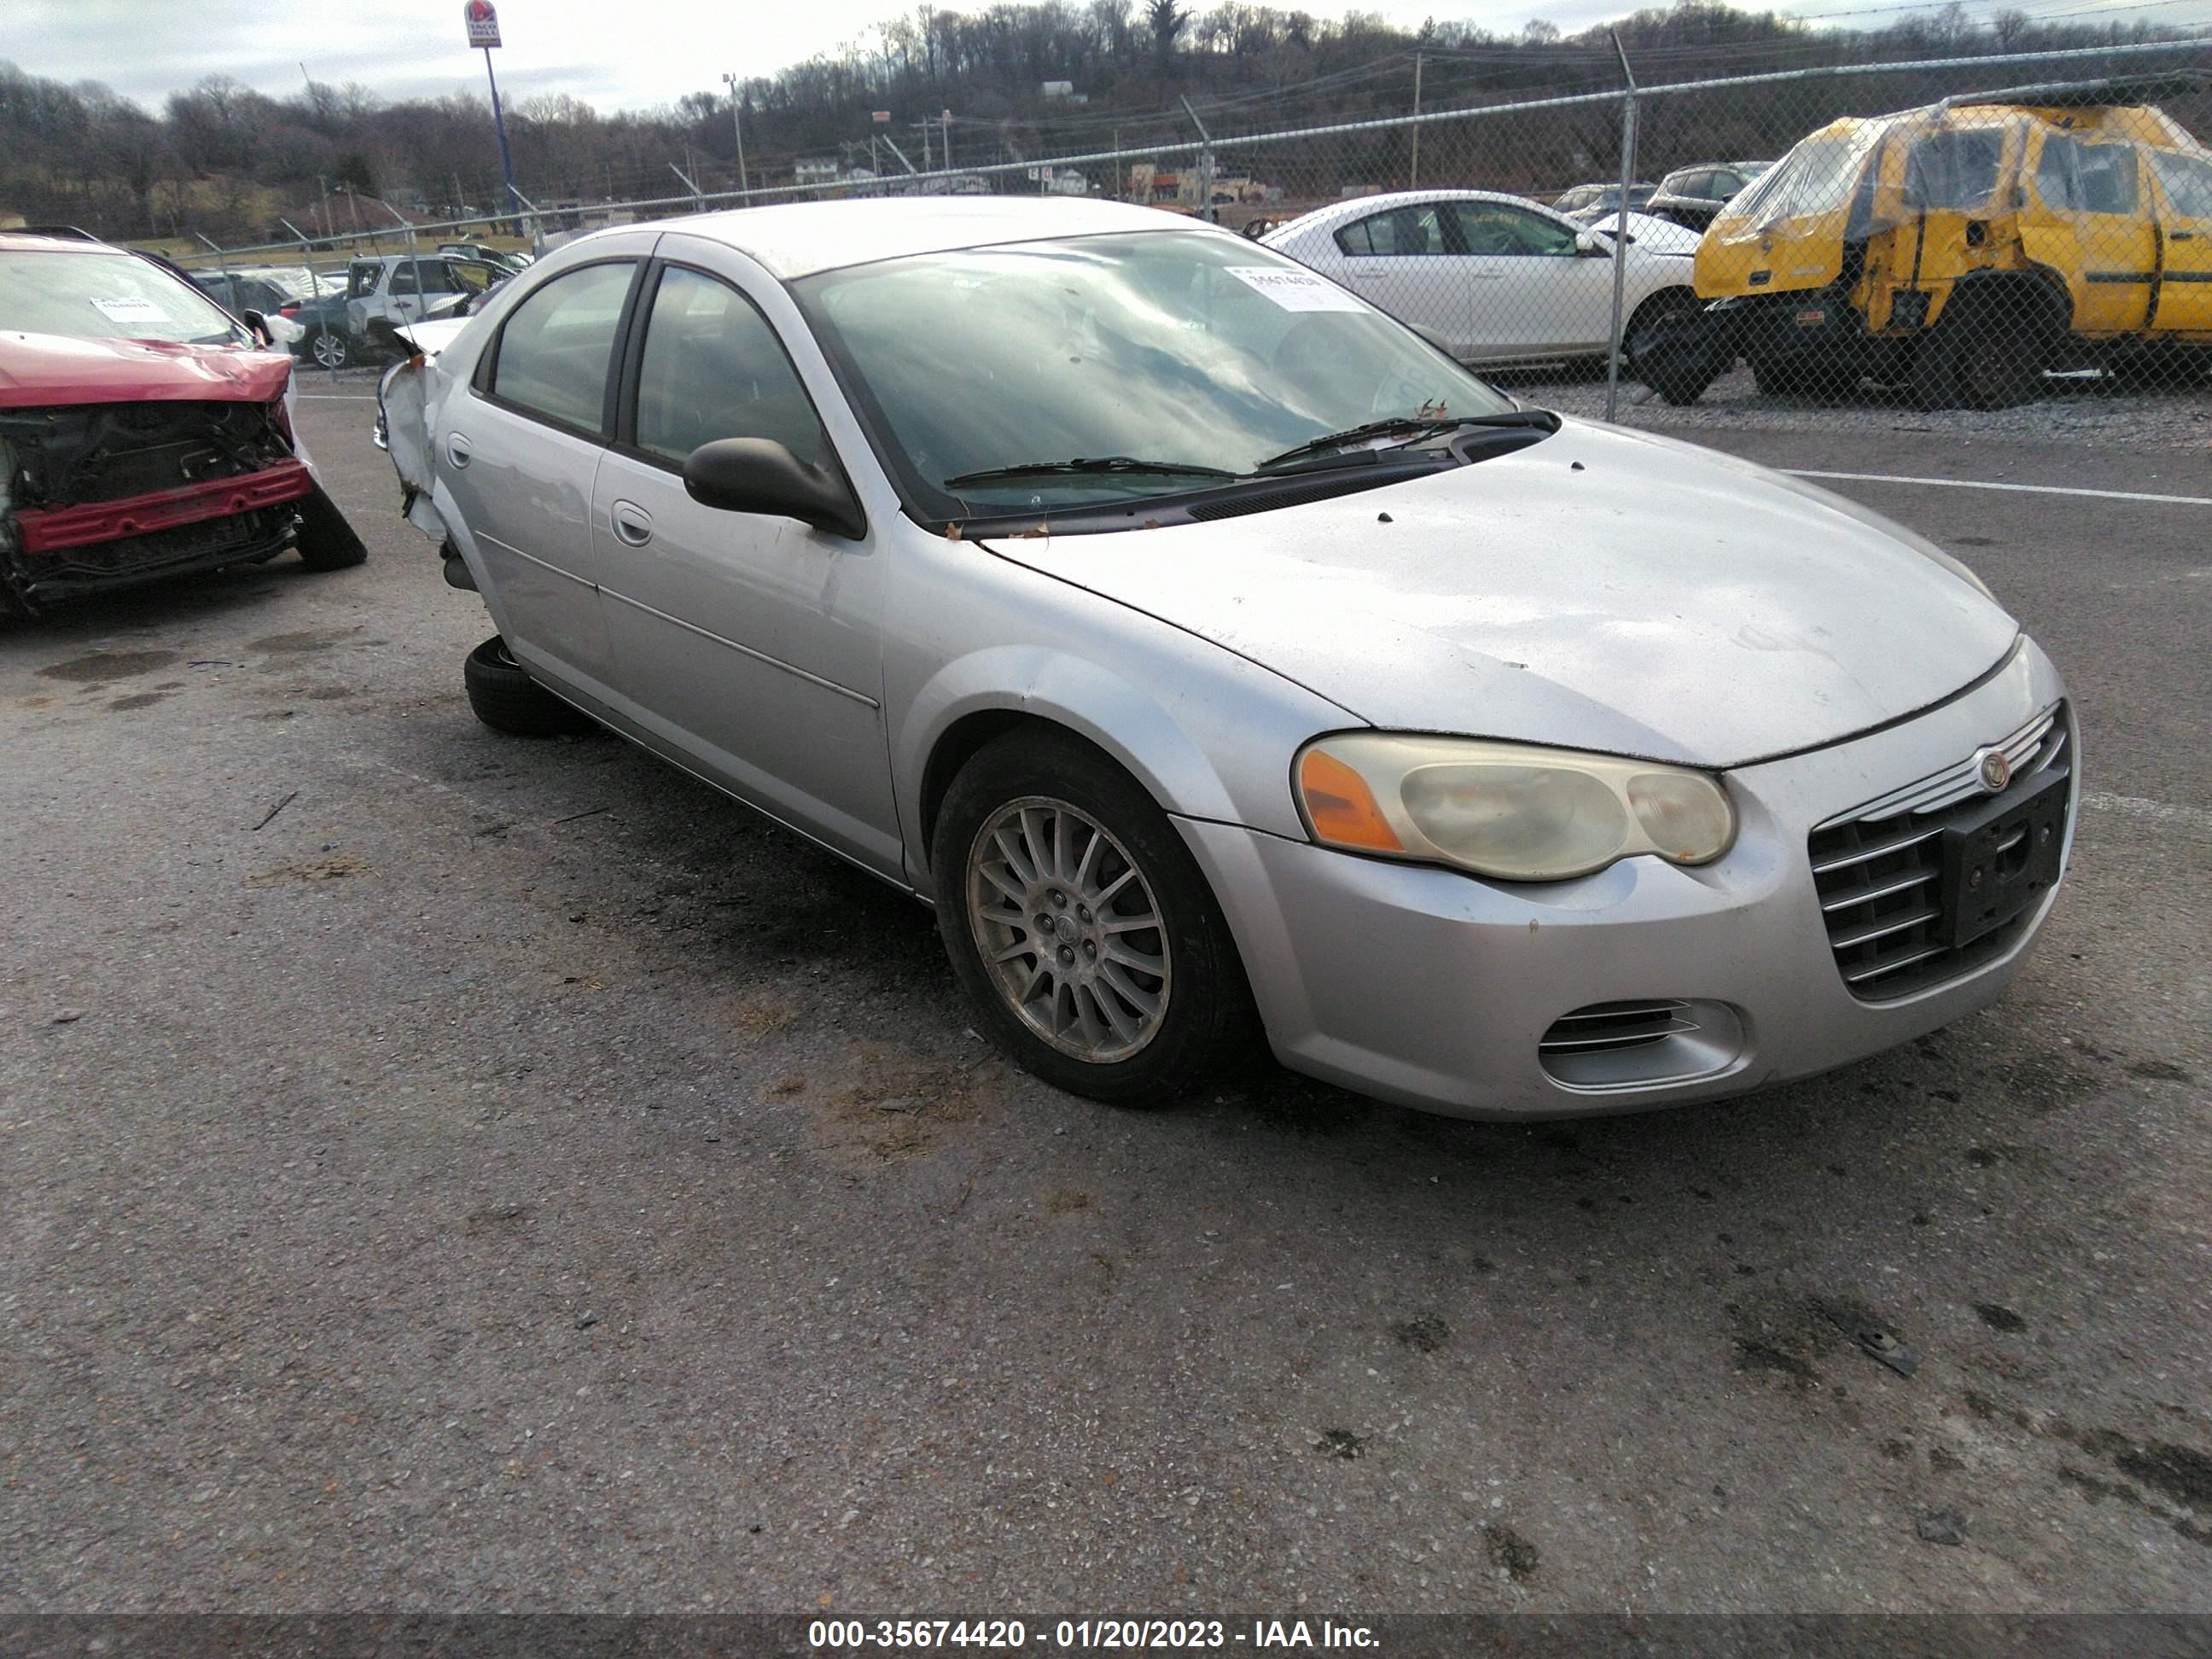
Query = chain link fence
x=1975 y=233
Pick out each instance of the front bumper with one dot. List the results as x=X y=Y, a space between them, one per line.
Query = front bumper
x=1435 y=989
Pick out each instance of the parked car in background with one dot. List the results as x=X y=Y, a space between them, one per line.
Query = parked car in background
x=1690 y=195
x=266 y=289
x=1499 y=280
x=326 y=339
x=1586 y=203
x=507 y=261
x=1212 y=652
x=144 y=431
x=402 y=287
x=1965 y=248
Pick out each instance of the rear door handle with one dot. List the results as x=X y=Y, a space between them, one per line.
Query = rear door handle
x=457 y=449
x=2181 y=236
x=633 y=523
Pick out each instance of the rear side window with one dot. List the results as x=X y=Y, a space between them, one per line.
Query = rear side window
x=1955 y=171
x=714 y=368
x=2188 y=183
x=1402 y=231
x=361 y=281
x=2073 y=177
x=554 y=350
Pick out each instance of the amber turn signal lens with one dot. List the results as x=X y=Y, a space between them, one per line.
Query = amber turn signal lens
x=1341 y=807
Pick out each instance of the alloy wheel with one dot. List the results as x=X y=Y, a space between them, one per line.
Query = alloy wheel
x=1067 y=929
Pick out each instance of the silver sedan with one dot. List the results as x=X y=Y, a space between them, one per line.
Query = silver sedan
x=1222 y=661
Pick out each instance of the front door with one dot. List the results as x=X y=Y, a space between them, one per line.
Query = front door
x=2184 y=292
x=748 y=645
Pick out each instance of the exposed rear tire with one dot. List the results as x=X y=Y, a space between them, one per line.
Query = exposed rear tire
x=507 y=700
x=1080 y=926
x=326 y=541
x=1984 y=352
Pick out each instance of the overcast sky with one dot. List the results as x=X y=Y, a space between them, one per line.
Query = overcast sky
x=616 y=55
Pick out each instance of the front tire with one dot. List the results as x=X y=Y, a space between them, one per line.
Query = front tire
x=505 y=698
x=1985 y=354
x=329 y=349
x=1080 y=926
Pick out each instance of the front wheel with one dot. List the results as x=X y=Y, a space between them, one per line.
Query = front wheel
x=505 y=697
x=329 y=349
x=1080 y=925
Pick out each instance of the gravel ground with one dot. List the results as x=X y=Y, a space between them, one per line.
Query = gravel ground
x=512 y=1177
x=2091 y=413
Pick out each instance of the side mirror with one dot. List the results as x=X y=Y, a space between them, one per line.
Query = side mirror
x=258 y=324
x=1588 y=245
x=759 y=475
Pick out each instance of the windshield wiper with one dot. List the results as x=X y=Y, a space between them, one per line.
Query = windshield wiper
x=1093 y=464
x=1417 y=426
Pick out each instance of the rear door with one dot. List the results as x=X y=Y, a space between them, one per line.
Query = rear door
x=520 y=452
x=1408 y=261
x=2095 y=227
x=2184 y=218
x=751 y=645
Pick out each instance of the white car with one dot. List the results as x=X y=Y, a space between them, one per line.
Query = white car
x=1497 y=280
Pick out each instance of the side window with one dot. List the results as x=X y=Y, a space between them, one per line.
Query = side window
x=2188 y=183
x=1354 y=239
x=553 y=351
x=2055 y=184
x=360 y=279
x=435 y=278
x=2108 y=178
x=403 y=279
x=1400 y=233
x=1492 y=228
x=714 y=368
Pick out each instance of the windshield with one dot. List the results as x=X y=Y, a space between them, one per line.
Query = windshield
x=1815 y=178
x=94 y=296
x=1188 y=348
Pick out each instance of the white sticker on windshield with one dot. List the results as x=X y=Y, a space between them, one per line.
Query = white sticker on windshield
x=1297 y=291
x=131 y=310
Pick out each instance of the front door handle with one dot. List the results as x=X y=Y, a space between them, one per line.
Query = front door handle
x=633 y=523
x=457 y=449
x=2181 y=236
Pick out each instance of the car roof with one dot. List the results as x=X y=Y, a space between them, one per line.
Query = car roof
x=796 y=238
x=1358 y=207
x=17 y=242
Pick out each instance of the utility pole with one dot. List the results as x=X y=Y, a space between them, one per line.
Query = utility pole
x=1414 y=181
x=738 y=127
x=698 y=205
x=330 y=225
x=1620 y=226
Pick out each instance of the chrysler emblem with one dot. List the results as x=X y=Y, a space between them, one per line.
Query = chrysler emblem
x=1994 y=770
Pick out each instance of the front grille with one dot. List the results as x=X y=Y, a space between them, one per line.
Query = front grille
x=1879 y=870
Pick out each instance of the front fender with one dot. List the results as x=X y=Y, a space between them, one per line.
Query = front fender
x=1201 y=750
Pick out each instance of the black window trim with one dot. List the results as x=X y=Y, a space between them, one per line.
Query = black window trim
x=623 y=422
x=1448 y=228
x=484 y=382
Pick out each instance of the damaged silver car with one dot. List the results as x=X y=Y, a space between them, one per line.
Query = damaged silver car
x=1217 y=657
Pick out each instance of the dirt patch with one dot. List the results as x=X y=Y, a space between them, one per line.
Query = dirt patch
x=139 y=700
x=1065 y=1201
x=1510 y=1552
x=98 y=666
x=754 y=1014
x=1424 y=1333
x=2160 y=1071
x=2182 y=1473
x=886 y=1104
x=1998 y=1317
x=494 y=1217
x=1341 y=1443
x=311 y=639
x=334 y=868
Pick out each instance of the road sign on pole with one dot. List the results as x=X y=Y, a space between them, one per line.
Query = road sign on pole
x=481 y=18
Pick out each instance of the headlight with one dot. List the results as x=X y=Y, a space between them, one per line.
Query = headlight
x=1505 y=810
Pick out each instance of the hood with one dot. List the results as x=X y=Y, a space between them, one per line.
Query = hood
x=36 y=370
x=1602 y=589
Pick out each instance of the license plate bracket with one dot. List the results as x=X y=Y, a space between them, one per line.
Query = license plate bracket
x=2002 y=861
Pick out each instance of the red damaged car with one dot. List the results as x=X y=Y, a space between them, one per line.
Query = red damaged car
x=144 y=431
